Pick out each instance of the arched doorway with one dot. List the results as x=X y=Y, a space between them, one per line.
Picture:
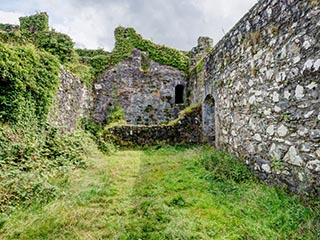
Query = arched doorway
x=208 y=115
x=179 y=94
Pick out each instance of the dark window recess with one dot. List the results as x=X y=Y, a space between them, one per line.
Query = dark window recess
x=179 y=92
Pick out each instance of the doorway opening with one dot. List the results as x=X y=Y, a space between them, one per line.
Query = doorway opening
x=179 y=94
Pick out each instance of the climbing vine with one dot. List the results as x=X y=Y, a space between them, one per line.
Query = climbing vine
x=28 y=79
x=127 y=39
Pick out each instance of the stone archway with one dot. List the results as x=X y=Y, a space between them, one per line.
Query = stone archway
x=208 y=115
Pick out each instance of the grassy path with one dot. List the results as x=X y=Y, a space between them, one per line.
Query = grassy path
x=161 y=194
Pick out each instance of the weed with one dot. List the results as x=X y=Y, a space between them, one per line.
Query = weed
x=166 y=192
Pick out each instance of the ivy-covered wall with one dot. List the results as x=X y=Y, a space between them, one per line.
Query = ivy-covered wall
x=126 y=40
x=36 y=23
x=29 y=80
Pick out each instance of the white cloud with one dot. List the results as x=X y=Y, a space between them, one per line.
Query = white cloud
x=176 y=23
x=10 y=17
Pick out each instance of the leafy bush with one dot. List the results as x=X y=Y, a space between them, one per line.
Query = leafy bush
x=29 y=80
x=103 y=141
x=32 y=159
x=116 y=115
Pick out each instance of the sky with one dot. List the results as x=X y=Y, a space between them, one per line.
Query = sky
x=175 y=23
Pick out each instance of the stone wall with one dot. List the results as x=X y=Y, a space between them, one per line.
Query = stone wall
x=143 y=88
x=72 y=102
x=265 y=82
x=184 y=130
x=196 y=77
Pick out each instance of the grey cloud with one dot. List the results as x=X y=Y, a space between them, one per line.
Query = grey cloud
x=176 y=23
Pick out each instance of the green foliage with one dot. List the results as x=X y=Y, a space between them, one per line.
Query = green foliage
x=82 y=71
x=183 y=113
x=29 y=79
x=58 y=44
x=127 y=39
x=98 y=63
x=116 y=115
x=103 y=142
x=10 y=34
x=8 y=27
x=91 y=52
x=31 y=158
x=35 y=23
x=96 y=60
x=145 y=62
x=224 y=167
x=163 y=193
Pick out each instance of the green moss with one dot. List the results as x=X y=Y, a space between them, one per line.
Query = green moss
x=218 y=83
x=227 y=60
x=277 y=164
x=183 y=113
x=199 y=67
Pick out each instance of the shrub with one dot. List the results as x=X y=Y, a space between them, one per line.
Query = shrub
x=103 y=141
x=33 y=158
x=116 y=115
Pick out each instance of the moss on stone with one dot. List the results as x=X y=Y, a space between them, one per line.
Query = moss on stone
x=145 y=62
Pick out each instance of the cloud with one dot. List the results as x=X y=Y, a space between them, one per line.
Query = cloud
x=9 y=17
x=176 y=23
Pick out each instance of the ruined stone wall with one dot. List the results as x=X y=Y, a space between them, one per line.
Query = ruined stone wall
x=71 y=103
x=142 y=87
x=187 y=129
x=197 y=71
x=265 y=81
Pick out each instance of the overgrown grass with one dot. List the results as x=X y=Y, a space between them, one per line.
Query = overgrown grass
x=35 y=163
x=166 y=193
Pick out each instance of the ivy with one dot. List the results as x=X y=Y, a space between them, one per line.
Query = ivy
x=28 y=79
x=58 y=44
x=35 y=23
x=127 y=39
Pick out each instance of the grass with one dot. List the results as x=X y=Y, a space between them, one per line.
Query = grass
x=166 y=193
